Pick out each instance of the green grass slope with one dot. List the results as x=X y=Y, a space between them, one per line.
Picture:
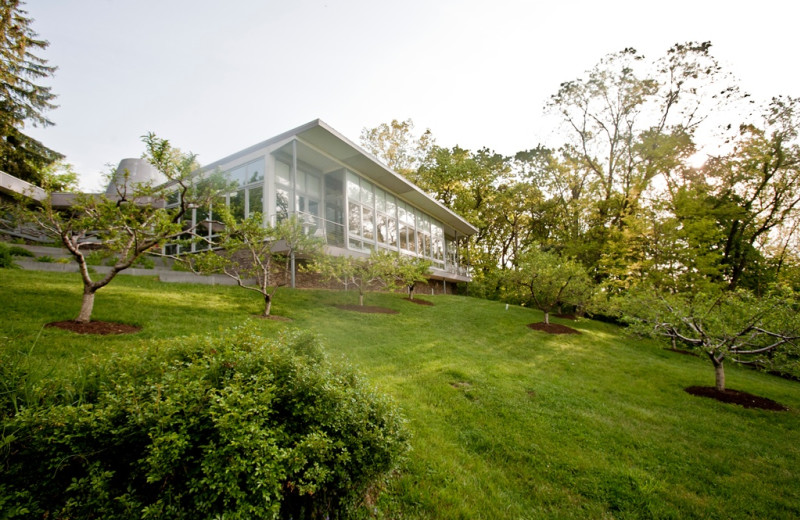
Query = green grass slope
x=507 y=422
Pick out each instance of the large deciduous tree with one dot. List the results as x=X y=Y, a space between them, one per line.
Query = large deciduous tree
x=23 y=100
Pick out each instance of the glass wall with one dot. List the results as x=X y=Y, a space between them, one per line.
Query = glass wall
x=377 y=219
x=307 y=194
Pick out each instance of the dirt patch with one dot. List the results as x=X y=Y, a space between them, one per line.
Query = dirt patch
x=367 y=309
x=418 y=301
x=102 y=328
x=552 y=328
x=736 y=397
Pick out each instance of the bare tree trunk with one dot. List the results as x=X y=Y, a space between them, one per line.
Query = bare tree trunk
x=719 y=372
x=87 y=305
x=267 y=305
x=361 y=299
x=547 y=317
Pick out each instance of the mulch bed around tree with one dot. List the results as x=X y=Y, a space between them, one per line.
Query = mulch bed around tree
x=736 y=397
x=418 y=301
x=552 y=328
x=367 y=309
x=103 y=328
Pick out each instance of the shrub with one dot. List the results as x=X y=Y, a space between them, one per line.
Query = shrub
x=20 y=251
x=45 y=259
x=7 y=252
x=6 y=260
x=233 y=427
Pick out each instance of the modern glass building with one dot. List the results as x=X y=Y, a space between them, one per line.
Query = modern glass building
x=342 y=194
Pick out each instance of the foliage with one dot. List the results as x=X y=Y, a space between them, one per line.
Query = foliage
x=7 y=252
x=722 y=325
x=226 y=426
x=257 y=256
x=23 y=100
x=544 y=280
x=130 y=223
x=395 y=145
x=505 y=422
x=410 y=270
x=379 y=270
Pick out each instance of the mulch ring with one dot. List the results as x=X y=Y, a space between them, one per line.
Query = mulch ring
x=366 y=309
x=418 y=301
x=736 y=397
x=552 y=328
x=102 y=328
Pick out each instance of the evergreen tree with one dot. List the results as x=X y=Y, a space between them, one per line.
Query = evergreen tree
x=22 y=100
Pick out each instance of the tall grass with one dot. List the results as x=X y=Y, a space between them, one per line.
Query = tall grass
x=507 y=422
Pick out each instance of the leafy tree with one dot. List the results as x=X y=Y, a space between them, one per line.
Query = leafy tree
x=378 y=270
x=395 y=144
x=22 y=100
x=256 y=256
x=758 y=186
x=410 y=270
x=723 y=325
x=132 y=222
x=544 y=280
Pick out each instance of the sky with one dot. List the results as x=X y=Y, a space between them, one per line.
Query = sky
x=215 y=77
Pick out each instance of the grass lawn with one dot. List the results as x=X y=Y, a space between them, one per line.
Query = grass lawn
x=507 y=422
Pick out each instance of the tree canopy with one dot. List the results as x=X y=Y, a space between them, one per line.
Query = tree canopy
x=23 y=99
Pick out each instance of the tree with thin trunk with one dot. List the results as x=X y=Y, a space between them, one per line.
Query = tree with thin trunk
x=130 y=223
x=377 y=271
x=723 y=325
x=411 y=270
x=544 y=280
x=256 y=256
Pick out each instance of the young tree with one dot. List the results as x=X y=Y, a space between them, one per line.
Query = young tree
x=22 y=100
x=723 y=325
x=256 y=256
x=409 y=271
x=131 y=223
x=395 y=144
x=544 y=280
x=379 y=269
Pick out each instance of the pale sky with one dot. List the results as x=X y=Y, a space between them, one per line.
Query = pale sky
x=214 y=77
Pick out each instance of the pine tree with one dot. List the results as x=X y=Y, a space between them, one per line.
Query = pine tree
x=22 y=100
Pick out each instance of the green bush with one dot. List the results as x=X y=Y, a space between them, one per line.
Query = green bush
x=6 y=260
x=233 y=426
x=45 y=259
x=20 y=251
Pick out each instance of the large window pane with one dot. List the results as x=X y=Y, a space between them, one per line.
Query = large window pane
x=282 y=173
x=354 y=218
x=255 y=171
x=237 y=205
x=391 y=232
x=256 y=200
x=281 y=204
x=367 y=223
x=353 y=188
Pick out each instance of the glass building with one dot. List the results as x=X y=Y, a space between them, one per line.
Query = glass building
x=342 y=194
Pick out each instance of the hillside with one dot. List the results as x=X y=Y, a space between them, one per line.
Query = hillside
x=507 y=422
